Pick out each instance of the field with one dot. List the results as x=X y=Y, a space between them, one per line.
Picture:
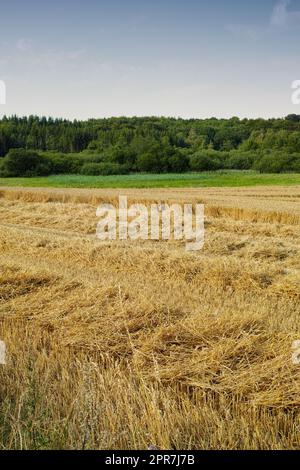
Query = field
x=229 y=178
x=124 y=345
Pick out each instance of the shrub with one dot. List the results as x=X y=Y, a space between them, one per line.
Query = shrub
x=178 y=163
x=240 y=160
x=278 y=163
x=62 y=163
x=152 y=162
x=205 y=161
x=20 y=162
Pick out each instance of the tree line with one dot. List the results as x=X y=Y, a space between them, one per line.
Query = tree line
x=40 y=146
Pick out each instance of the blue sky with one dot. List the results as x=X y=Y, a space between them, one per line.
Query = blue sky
x=187 y=58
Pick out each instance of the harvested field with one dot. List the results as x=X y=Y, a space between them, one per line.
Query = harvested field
x=123 y=345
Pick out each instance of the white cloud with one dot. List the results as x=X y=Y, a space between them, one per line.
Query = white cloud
x=24 y=44
x=283 y=17
x=75 y=55
x=243 y=31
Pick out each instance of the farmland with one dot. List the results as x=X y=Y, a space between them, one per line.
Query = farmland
x=228 y=178
x=124 y=345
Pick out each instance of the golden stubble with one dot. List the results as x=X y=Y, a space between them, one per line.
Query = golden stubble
x=123 y=345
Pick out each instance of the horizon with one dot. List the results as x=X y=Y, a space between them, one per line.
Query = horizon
x=212 y=118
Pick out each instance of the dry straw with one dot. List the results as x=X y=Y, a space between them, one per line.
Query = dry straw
x=118 y=345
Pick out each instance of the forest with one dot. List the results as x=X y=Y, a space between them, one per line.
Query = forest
x=40 y=146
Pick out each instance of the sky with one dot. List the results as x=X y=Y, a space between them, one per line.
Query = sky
x=182 y=58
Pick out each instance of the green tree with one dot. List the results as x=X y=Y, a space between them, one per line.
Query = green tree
x=20 y=162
